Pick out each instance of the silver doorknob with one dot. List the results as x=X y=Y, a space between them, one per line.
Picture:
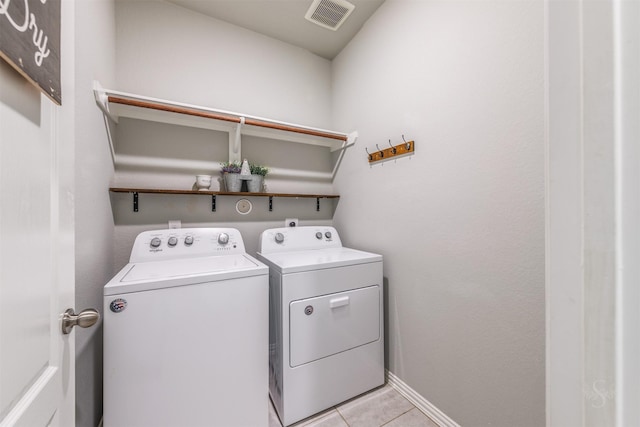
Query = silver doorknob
x=84 y=319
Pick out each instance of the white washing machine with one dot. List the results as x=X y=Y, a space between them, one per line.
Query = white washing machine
x=326 y=342
x=185 y=333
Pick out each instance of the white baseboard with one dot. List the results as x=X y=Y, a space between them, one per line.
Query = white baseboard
x=420 y=402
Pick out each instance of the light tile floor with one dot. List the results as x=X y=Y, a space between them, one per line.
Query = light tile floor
x=383 y=406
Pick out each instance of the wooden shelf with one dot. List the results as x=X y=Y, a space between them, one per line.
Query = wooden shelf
x=116 y=104
x=220 y=193
x=225 y=117
x=214 y=194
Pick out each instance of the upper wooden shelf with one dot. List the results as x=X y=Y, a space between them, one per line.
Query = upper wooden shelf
x=116 y=104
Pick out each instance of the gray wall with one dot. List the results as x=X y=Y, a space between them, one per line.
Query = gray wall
x=461 y=223
x=95 y=49
x=165 y=51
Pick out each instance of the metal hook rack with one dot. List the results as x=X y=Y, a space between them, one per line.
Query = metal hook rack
x=407 y=148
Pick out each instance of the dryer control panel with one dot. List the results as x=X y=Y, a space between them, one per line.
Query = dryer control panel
x=177 y=243
x=298 y=239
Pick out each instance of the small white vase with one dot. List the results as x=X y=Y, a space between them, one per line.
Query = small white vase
x=203 y=182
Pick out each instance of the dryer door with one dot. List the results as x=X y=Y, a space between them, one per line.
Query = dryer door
x=330 y=324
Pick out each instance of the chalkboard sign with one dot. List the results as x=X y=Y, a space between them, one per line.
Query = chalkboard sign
x=30 y=42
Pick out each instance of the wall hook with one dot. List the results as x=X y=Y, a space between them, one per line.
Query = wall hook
x=393 y=149
x=381 y=152
x=407 y=145
x=370 y=156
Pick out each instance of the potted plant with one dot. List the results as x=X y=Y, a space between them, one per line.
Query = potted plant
x=258 y=173
x=231 y=175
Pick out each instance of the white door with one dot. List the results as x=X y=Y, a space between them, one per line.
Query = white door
x=37 y=379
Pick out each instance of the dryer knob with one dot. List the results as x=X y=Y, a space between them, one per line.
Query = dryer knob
x=223 y=238
x=279 y=237
x=319 y=235
x=327 y=234
x=172 y=241
x=188 y=241
x=155 y=242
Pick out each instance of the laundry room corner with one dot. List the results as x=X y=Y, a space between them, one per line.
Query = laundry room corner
x=281 y=213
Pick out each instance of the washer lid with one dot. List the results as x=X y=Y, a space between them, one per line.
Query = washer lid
x=316 y=259
x=135 y=277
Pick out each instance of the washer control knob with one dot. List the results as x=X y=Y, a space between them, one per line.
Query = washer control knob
x=173 y=240
x=223 y=238
x=327 y=234
x=318 y=235
x=188 y=241
x=279 y=237
x=155 y=242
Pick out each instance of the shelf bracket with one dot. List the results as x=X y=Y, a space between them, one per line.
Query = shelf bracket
x=235 y=146
x=135 y=201
x=213 y=203
x=317 y=204
x=270 y=203
x=102 y=100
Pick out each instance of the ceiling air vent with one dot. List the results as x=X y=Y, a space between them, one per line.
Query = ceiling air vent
x=329 y=14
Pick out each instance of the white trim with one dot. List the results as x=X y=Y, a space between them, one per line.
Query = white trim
x=627 y=185
x=38 y=401
x=547 y=215
x=620 y=392
x=426 y=407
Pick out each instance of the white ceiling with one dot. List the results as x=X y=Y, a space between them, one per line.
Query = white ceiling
x=284 y=20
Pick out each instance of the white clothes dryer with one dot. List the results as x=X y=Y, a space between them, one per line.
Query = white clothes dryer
x=185 y=333
x=326 y=342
